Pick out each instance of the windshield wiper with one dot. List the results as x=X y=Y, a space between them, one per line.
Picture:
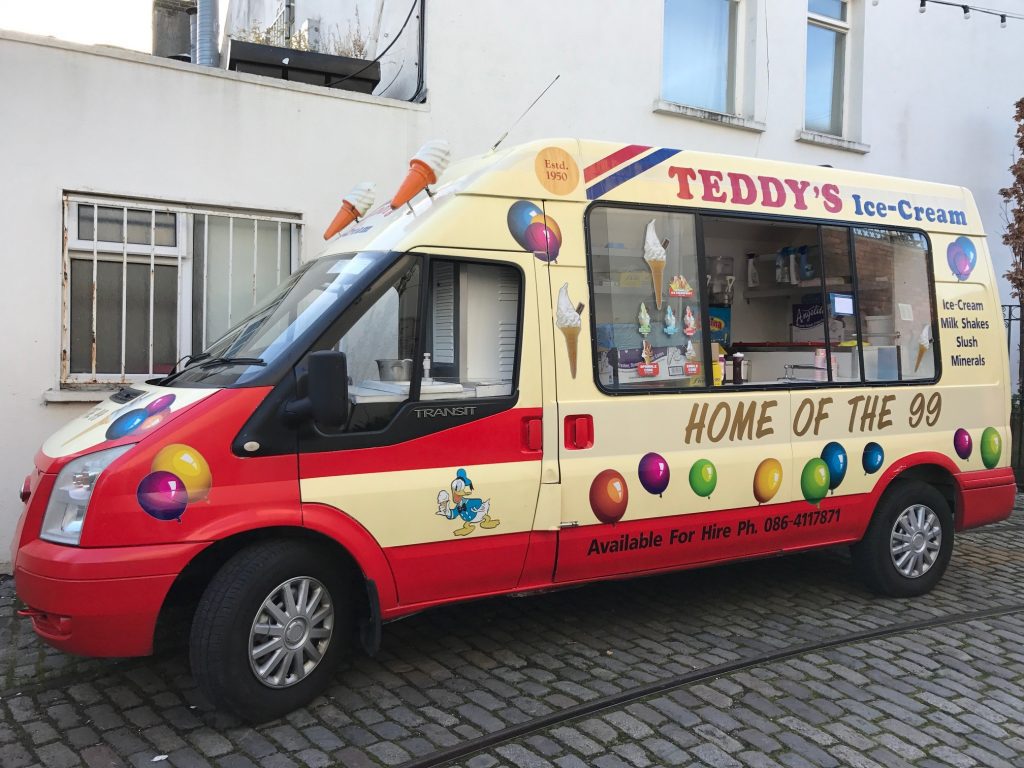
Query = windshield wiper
x=215 y=361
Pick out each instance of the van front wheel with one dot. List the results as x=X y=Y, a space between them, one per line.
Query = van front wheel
x=909 y=542
x=269 y=629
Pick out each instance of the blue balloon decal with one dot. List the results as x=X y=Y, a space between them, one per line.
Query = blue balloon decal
x=834 y=456
x=962 y=256
x=520 y=216
x=873 y=458
x=126 y=423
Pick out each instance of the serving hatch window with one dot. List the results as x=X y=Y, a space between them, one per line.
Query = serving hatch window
x=683 y=300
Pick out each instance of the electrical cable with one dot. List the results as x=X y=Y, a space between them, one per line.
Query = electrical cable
x=358 y=72
x=1003 y=15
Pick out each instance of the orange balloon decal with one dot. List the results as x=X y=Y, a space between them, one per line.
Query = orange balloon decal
x=767 y=480
x=609 y=496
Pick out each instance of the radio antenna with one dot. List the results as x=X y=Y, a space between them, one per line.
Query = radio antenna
x=506 y=133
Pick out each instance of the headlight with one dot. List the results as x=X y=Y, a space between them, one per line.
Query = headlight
x=65 y=513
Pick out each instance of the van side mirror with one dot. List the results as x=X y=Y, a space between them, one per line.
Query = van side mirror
x=326 y=400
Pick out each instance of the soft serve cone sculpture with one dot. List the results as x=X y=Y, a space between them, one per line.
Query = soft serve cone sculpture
x=353 y=206
x=425 y=169
x=569 y=322
x=655 y=256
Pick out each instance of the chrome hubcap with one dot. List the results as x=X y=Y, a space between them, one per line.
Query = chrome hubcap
x=915 y=541
x=291 y=632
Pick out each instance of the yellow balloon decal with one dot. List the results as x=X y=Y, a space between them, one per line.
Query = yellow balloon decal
x=189 y=465
x=767 y=480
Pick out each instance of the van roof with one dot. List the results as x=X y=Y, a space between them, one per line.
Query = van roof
x=583 y=171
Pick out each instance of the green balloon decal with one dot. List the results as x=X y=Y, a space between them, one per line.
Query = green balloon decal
x=991 y=447
x=814 y=480
x=703 y=477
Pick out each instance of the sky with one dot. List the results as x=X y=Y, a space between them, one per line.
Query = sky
x=124 y=23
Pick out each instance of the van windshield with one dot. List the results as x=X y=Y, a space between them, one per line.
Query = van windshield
x=320 y=288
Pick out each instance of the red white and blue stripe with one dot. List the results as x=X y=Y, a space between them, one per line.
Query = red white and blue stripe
x=621 y=166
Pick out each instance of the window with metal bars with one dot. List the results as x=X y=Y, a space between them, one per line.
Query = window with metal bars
x=146 y=284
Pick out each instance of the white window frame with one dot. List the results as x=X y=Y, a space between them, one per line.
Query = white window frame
x=734 y=94
x=842 y=28
x=180 y=255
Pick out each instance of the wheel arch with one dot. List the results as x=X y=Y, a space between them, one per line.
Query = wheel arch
x=935 y=469
x=179 y=604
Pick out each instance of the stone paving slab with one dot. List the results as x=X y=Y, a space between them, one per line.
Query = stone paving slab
x=456 y=673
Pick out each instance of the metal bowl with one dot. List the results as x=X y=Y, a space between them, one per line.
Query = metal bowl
x=395 y=370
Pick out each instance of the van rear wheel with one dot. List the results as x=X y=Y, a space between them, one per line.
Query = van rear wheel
x=908 y=543
x=269 y=630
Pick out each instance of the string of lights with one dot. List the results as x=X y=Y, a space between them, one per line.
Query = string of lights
x=968 y=9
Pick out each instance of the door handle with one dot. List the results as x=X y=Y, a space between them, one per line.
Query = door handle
x=533 y=434
x=579 y=432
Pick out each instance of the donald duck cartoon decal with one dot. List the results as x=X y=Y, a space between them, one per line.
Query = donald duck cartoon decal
x=472 y=511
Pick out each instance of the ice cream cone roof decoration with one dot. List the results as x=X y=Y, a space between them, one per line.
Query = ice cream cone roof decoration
x=353 y=206
x=425 y=169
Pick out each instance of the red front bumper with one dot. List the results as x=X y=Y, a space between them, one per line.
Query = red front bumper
x=98 y=602
x=985 y=497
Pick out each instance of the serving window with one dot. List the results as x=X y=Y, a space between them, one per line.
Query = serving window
x=685 y=300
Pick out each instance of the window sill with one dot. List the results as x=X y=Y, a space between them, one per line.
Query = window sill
x=662 y=107
x=79 y=395
x=833 y=142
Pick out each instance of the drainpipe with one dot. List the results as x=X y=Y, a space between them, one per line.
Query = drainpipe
x=192 y=33
x=206 y=34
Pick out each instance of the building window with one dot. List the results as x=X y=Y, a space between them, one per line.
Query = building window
x=148 y=284
x=699 y=54
x=827 y=31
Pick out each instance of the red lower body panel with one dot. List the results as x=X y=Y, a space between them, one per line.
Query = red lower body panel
x=683 y=541
x=77 y=607
x=985 y=497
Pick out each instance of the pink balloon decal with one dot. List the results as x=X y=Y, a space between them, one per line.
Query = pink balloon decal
x=961 y=256
x=163 y=495
x=534 y=231
x=654 y=473
x=962 y=443
x=162 y=403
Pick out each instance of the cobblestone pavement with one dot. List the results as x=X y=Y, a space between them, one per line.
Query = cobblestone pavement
x=952 y=694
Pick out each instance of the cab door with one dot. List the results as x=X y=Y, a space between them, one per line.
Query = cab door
x=441 y=458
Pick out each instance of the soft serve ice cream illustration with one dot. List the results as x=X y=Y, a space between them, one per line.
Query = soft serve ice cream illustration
x=655 y=256
x=569 y=322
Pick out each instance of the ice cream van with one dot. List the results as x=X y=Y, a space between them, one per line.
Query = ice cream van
x=555 y=363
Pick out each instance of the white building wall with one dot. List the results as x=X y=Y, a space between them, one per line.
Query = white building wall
x=937 y=105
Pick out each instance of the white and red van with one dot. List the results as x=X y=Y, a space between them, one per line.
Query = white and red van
x=560 y=362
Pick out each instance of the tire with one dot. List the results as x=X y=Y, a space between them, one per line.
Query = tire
x=225 y=624
x=915 y=518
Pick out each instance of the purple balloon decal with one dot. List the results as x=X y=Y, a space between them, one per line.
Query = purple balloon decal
x=542 y=241
x=654 y=473
x=961 y=256
x=162 y=495
x=162 y=403
x=126 y=424
x=962 y=443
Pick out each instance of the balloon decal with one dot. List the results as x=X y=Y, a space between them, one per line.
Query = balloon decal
x=136 y=419
x=814 y=480
x=873 y=458
x=179 y=475
x=534 y=231
x=962 y=443
x=962 y=256
x=609 y=496
x=703 y=477
x=767 y=480
x=834 y=456
x=654 y=473
x=163 y=496
x=991 y=447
